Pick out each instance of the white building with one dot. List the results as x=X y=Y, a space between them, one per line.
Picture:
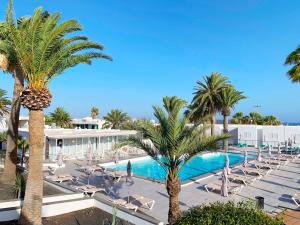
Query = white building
x=75 y=143
x=87 y=123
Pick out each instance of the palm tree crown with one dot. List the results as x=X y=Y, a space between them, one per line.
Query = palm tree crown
x=206 y=96
x=4 y=103
x=294 y=59
x=60 y=117
x=115 y=118
x=94 y=112
x=228 y=98
x=45 y=49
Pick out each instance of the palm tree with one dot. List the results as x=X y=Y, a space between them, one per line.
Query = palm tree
x=114 y=119
x=23 y=145
x=94 y=112
x=206 y=96
x=271 y=120
x=237 y=118
x=176 y=143
x=5 y=103
x=294 y=59
x=228 y=98
x=45 y=48
x=9 y=63
x=256 y=118
x=60 y=117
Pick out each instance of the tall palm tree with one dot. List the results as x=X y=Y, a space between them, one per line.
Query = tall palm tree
x=228 y=98
x=5 y=103
x=114 y=119
x=237 y=118
x=60 y=117
x=45 y=48
x=176 y=143
x=94 y=112
x=9 y=63
x=294 y=60
x=206 y=96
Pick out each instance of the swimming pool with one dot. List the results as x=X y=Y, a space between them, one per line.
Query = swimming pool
x=199 y=165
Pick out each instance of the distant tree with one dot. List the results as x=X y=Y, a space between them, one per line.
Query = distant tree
x=114 y=119
x=23 y=145
x=3 y=137
x=246 y=120
x=256 y=118
x=94 y=112
x=237 y=118
x=5 y=103
x=271 y=120
x=60 y=117
x=205 y=101
x=48 y=120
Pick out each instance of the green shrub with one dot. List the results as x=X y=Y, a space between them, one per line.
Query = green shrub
x=242 y=213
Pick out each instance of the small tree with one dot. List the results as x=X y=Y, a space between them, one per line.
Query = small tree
x=94 y=112
x=61 y=117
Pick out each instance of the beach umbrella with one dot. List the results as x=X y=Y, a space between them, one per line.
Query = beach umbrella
x=270 y=151
x=60 y=161
x=285 y=146
x=129 y=169
x=89 y=172
x=224 y=188
x=227 y=164
x=90 y=154
x=279 y=152
x=245 y=158
x=259 y=158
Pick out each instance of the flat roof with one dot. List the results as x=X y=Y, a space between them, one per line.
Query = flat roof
x=80 y=133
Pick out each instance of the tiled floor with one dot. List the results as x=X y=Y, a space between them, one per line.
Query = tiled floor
x=292 y=217
x=277 y=188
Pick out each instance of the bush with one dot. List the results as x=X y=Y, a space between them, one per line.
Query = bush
x=242 y=213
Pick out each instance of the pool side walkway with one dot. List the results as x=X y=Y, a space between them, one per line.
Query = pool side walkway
x=277 y=188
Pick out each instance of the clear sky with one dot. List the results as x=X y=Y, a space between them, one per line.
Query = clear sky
x=162 y=47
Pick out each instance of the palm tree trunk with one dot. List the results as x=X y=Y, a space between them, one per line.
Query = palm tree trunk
x=31 y=210
x=9 y=174
x=173 y=189
x=225 y=131
x=212 y=124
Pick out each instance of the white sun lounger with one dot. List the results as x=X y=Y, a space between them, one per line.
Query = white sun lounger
x=256 y=172
x=90 y=189
x=116 y=175
x=260 y=165
x=217 y=187
x=123 y=203
x=61 y=178
x=141 y=200
x=296 y=198
x=242 y=178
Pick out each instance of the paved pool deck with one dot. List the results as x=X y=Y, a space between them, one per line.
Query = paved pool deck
x=277 y=188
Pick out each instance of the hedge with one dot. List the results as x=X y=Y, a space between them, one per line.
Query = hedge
x=242 y=213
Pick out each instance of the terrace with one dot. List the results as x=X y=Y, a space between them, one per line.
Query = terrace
x=277 y=188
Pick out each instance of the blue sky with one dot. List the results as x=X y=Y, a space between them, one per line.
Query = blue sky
x=162 y=47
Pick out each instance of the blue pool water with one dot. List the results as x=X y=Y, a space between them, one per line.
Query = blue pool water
x=199 y=165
